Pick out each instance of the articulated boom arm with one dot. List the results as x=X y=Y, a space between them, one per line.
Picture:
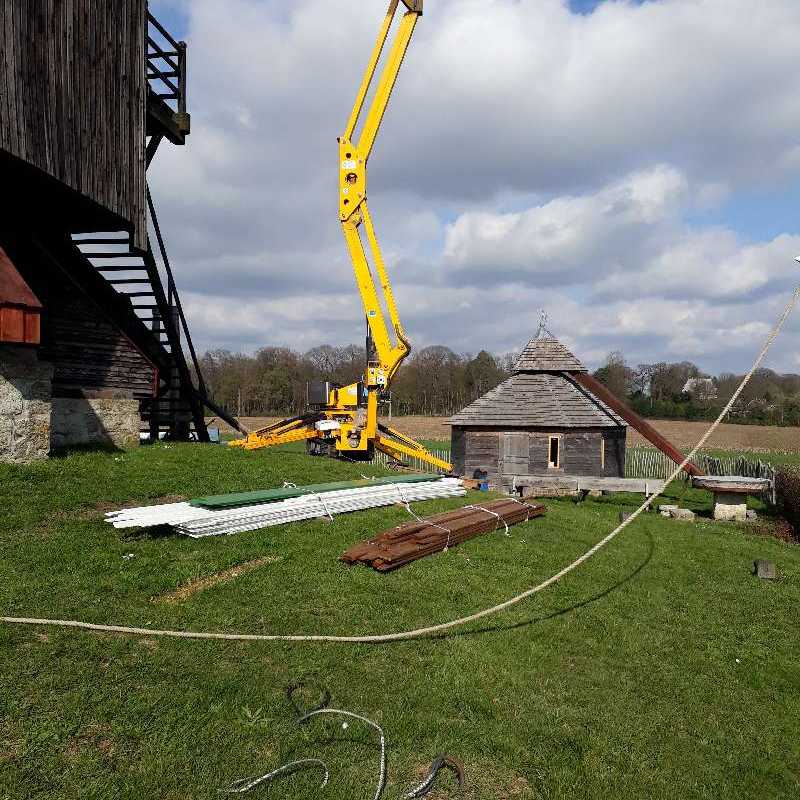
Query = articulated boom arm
x=353 y=208
x=349 y=419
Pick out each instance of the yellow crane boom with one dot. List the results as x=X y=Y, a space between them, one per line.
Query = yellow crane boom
x=347 y=417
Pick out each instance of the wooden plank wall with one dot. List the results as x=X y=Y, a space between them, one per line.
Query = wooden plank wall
x=73 y=96
x=615 y=452
x=580 y=452
x=91 y=358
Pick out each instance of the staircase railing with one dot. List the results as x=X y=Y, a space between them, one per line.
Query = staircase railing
x=173 y=298
x=166 y=65
x=178 y=320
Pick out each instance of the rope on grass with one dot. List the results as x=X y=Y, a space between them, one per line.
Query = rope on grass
x=461 y=621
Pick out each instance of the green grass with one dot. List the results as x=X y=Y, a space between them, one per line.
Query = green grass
x=661 y=669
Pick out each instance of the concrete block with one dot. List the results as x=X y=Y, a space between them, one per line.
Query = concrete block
x=752 y=516
x=764 y=569
x=683 y=514
x=730 y=507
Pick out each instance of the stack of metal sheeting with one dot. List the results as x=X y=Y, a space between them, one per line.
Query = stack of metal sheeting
x=290 y=490
x=399 y=546
x=199 y=522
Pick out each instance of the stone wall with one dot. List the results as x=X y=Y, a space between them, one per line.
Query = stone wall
x=81 y=421
x=25 y=404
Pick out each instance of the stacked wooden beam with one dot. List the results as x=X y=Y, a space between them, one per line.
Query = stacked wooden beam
x=408 y=542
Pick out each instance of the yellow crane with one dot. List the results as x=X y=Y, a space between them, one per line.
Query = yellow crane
x=346 y=418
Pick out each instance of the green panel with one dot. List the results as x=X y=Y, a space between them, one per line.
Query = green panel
x=271 y=495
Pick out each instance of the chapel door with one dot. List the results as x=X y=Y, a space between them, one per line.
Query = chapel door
x=514 y=456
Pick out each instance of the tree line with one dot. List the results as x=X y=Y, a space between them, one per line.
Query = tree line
x=681 y=390
x=437 y=381
x=434 y=381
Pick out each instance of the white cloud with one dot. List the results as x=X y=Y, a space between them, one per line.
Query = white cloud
x=567 y=237
x=531 y=157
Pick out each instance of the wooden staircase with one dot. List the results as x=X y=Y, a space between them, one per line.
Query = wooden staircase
x=143 y=300
x=135 y=289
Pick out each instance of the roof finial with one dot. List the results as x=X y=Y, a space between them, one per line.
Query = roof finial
x=543 y=319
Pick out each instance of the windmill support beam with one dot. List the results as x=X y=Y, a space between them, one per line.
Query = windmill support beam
x=634 y=420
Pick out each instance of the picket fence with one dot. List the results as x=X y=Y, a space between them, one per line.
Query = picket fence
x=416 y=464
x=640 y=462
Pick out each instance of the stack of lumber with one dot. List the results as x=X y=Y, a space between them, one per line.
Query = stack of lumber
x=196 y=521
x=408 y=542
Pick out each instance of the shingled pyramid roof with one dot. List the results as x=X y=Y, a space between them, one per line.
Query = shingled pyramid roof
x=541 y=393
x=547 y=354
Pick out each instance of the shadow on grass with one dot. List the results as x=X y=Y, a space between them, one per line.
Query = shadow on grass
x=104 y=448
x=154 y=532
x=562 y=611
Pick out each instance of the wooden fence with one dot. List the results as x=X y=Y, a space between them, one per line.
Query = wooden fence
x=640 y=462
x=645 y=462
x=416 y=464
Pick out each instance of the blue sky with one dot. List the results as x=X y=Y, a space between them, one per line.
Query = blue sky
x=632 y=167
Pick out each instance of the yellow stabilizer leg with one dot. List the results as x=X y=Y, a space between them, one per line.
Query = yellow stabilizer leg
x=397 y=449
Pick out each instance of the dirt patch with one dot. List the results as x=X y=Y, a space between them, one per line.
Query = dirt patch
x=198 y=585
x=99 y=510
x=750 y=438
x=94 y=736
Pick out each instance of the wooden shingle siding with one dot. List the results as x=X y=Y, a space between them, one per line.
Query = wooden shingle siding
x=548 y=355
x=538 y=399
x=73 y=97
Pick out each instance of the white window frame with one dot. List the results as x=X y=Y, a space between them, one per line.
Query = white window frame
x=603 y=453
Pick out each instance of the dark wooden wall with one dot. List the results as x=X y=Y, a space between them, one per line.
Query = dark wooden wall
x=90 y=356
x=495 y=450
x=73 y=97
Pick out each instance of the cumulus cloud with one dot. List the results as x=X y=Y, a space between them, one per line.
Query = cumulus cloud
x=531 y=157
x=561 y=239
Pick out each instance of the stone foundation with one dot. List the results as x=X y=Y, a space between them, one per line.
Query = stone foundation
x=25 y=404
x=81 y=421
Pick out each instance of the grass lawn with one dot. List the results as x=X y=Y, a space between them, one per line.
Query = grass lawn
x=661 y=669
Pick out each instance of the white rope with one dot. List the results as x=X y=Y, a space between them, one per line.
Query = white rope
x=527 y=507
x=246 y=785
x=322 y=502
x=461 y=621
x=481 y=508
x=424 y=521
x=374 y=725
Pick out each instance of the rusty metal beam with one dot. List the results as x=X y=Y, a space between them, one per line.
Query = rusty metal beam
x=634 y=420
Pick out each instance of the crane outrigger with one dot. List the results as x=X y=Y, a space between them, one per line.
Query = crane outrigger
x=343 y=420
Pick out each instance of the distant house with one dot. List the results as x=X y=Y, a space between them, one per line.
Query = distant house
x=539 y=421
x=701 y=388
